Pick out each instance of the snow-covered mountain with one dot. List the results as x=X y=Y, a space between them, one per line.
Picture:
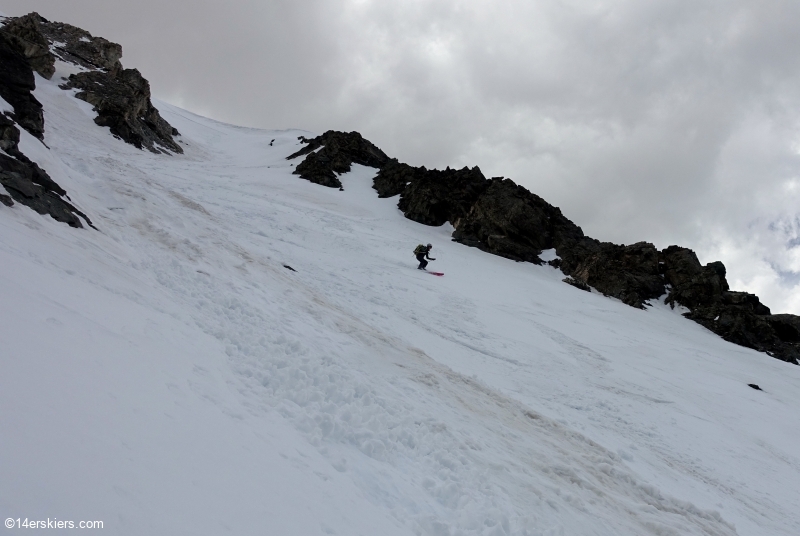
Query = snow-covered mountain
x=236 y=350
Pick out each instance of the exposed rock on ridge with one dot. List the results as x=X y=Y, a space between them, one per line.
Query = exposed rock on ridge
x=16 y=86
x=23 y=179
x=121 y=97
x=510 y=221
x=23 y=49
x=738 y=317
x=503 y=218
x=29 y=184
x=74 y=45
x=26 y=35
x=628 y=273
x=332 y=154
x=433 y=197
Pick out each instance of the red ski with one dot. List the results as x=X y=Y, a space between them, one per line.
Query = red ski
x=436 y=273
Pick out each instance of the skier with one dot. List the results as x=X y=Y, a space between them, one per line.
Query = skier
x=421 y=252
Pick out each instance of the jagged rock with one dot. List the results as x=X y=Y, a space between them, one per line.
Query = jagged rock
x=337 y=152
x=121 y=99
x=16 y=86
x=737 y=323
x=628 y=273
x=74 y=45
x=321 y=169
x=787 y=327
x=434 y=197
x=577 y=283
x=692 y=284
x=393 y=177
x=26 y=34
x=29 y=184
x=745 y=300
x=508 y=220
x=737 y=317
x=9 y=136
x=24 y=180
x=32 y=36
x=10 y=144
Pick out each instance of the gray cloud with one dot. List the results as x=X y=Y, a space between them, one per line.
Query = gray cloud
x=668 y=121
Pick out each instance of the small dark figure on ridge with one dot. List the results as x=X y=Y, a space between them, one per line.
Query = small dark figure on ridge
x=421 y=252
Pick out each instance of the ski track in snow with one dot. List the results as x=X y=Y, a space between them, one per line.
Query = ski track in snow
x=355 y=395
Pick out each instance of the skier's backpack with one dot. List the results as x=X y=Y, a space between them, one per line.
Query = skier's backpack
x=420 y=249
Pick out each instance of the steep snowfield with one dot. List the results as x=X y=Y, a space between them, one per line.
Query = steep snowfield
x=168 y=375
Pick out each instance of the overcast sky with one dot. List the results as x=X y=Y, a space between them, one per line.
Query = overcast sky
x=674 y=122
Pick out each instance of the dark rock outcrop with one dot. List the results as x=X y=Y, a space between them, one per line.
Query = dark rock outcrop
x=393 y=177
x=628 y=273
x=9 y=137
x=38 y=39
x=25 y=182
x=29 y=184
x=26 y=35
x=734 y=320
x=508 y=220
x=787 y=327
x=737 y=317
x=692 y=284
x=434 y=197
x=74 y=45
x=121 y=99
x=16 y=86
x=577 y=283
x=332 y=154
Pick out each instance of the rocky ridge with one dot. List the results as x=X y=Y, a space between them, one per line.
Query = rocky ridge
x=332 y=154
x=503 y=218
x=16 y=87
x=25 y=182
x=121 y=98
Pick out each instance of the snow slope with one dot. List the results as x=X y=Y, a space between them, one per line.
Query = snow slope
x=168 y=375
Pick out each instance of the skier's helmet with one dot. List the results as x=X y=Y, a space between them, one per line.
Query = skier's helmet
x=430 y=246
